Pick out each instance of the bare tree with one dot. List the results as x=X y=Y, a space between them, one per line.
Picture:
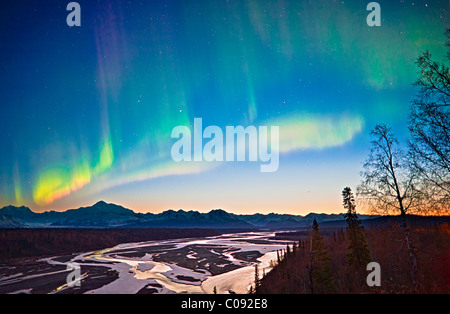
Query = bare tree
x=388 y=185
x=429 y=126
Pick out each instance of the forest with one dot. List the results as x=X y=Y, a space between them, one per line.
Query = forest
x=336 y=262
x=403 y=179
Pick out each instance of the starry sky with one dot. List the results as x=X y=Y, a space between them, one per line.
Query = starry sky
x=86 y=113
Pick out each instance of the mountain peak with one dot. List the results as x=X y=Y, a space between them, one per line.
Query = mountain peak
x=106 y=215
x=11 y=216
x=16 y=210
x=101 y=203
x=218 y=211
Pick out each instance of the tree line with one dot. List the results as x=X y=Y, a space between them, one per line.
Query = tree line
x=336 y=261
x=399 y=179
x=307 y=265
x=414 y=178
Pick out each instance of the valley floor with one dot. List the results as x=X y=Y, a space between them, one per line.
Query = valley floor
x=222 y=263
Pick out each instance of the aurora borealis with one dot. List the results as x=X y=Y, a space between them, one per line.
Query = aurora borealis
x=87 y=112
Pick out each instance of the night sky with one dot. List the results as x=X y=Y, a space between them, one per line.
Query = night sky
x=86 y=113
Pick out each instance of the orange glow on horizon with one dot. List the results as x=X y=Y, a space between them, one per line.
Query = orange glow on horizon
x=245 y=209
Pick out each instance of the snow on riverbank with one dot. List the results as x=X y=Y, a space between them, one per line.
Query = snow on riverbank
x=238 y=280
x=137 y=273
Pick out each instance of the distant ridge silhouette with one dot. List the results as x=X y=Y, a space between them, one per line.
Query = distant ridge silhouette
x=108 y=215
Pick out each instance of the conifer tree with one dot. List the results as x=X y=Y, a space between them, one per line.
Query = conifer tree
x=257 y=281
x=358 y=255
x=321 y=277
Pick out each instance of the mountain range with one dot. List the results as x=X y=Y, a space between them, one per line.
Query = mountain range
x=107 y=215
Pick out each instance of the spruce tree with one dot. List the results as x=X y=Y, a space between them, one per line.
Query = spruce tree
x=257 y=280
x=320 y=272
x=358 y=251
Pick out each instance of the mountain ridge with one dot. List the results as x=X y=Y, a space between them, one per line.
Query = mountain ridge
x=109 y=215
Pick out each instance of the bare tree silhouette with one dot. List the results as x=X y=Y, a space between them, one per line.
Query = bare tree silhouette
x=429 y=126
x=389 y=184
